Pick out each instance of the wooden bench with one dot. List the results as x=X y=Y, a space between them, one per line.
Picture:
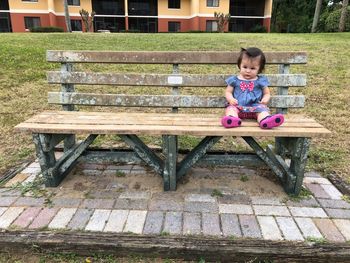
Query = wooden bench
x=170 y=113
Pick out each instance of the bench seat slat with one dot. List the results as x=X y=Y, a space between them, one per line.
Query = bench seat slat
x=183 y=80
x=208 y=127
x=166 y=57
x=183 y=101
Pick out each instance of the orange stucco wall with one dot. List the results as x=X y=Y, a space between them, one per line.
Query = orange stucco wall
x=17 y=21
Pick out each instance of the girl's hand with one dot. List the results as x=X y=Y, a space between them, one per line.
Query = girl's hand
x=264 y=101
x=233 y=102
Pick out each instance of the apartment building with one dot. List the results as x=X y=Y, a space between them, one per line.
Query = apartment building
x=136 y=15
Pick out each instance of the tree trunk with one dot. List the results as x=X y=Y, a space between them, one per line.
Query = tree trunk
x=66 y=16
x=316 y=15
x=343 y=15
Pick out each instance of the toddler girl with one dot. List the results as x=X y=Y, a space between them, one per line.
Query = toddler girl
x=248 y=94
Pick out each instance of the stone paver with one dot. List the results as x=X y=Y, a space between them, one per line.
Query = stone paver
x=7 y=200
x=249 y=226
x=338 y=213
x=307 y=212
x=230 y=225
x=332 y=191
x=271 y=210
x=132 y=204
x=135 y=195
x=344 y=227
x=308 y=227
x=116 y=221
x=154 y=222
x=329 y=230
x=43 y=218
x=29 y=201
x=316 y=180
x=31 y=170
x=192 y=224
x=98 y=220
x=166 y=205
x=66 y=202
x=204 y=207
x=308 y=202
x=200 y=198
x=62 y=218
x=235 y=209
x=173 y=223
x=258 y=200
x=135 y=222
x=269 y=228
x=26 y=217
x=80 y=219
x=2 y=210
x=19 y=178
x=317 y=190
x=211 y=224
x=9 y=216
x=331 y=203
x=98 y=203
x=289 y=229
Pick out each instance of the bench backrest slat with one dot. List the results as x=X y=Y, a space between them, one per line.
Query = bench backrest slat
x=183 y=101
x=180 y=80
x=182 y=89
x=167 y=57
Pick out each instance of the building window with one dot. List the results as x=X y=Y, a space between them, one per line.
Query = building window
x=74 y=2
x=212 y=3
x=31 y=22
x=211 y=26
x=174 y=26
x=76 y=25
x=174 y=4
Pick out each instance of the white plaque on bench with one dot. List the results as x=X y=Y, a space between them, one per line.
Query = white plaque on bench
x=175 y=80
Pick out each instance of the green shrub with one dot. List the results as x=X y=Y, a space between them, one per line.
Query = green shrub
x=46 y=29
x=258 y=29
x=329 y=21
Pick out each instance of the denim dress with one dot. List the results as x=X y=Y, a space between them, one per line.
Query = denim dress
x=248 y=93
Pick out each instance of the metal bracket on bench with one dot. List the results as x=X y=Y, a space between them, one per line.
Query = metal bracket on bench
x=54 y=171
x=290 y=176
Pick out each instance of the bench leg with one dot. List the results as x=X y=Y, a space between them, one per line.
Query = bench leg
x=298 y=162
x=54 y=171
x=170 y=152
x=45 y=155
x=291 y=176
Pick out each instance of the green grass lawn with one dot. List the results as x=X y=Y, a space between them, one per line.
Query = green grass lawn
x=24 y=89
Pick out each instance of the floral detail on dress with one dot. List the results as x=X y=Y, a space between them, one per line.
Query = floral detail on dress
x=246 y=86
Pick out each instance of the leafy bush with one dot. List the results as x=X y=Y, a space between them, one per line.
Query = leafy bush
x=329 y=21
x=46 y=29
x=258 y=29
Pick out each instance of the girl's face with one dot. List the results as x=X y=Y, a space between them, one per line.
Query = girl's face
x=249 y=67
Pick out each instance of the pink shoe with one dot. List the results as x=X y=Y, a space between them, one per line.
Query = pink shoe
x=272 y=121
x=230 y=121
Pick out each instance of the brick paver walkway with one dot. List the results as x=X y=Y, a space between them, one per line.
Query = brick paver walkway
x=324 y=215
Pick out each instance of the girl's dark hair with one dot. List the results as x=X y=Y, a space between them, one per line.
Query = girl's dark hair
x=252 y=52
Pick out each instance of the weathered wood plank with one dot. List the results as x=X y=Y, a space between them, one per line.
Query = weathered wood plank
x=188 y=247
x=210 y=158
x=181 y=101
x=163 y=80
x=171 y=130
x=168 y=57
